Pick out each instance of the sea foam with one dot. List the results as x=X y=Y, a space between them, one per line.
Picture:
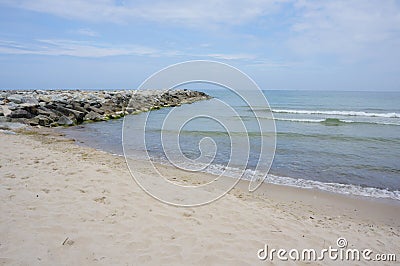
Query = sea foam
x=342 y=113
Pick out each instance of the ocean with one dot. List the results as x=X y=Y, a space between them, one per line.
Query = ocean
x=338 y=141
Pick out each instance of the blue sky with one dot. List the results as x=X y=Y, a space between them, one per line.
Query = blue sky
x=317 y=45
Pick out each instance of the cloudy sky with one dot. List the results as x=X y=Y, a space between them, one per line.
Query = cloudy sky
x=317 y=45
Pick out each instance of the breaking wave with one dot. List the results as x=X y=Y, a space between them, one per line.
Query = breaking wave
x=341 y=113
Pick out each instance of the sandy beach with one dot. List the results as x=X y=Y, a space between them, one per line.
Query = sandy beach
x=134 y=132
x=64 y=204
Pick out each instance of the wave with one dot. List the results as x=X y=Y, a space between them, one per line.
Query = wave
x=346 y=189
x=327 y=120
x=334 y=121
x=342 y=113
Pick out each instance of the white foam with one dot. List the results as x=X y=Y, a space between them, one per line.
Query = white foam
x=339 y=120
x=248 y=174
x=346 y=189
x=300 y=120
x=342 y=113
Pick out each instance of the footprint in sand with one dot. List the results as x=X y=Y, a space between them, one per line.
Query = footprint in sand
x=68 y=242
x=100 y=200
x=10 y=175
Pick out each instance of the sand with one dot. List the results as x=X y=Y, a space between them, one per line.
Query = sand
x=62 y=204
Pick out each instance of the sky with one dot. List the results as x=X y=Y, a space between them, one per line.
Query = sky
x=280 y=44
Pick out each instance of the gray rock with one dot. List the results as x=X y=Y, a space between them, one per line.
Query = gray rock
x=15 y=98
x=12 y=106
x=20 y=113
x=77 y=106
x=46 y=112
x=24 y=105
x=24 y=99
x=66 y=111
x=41 y=92
x=45 y=98
x=30 y=109
x=4 y=119
x=93 y=116
x=131 y=110
x=65 y=121
x=3 y=95
x=96 y=110
x=11 y=125
x=59 y=99
x=30 y=100
x=8 y=132
x=41 y=120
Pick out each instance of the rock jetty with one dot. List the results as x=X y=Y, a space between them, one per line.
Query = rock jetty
x=50 y=108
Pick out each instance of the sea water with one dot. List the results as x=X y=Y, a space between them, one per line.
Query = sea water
x=339 y=141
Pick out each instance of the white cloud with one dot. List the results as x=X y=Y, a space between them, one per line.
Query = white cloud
x=86 y=32
x=351 y=29
x=74 y=48
x=273 y=64
x=57 y=47
x=231 y=56
x=174 y=11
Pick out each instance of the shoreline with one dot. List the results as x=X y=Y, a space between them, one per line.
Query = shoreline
x=66 y=203
x=277 y=189
x=380 y=198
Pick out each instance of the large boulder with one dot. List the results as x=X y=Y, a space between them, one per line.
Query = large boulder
x=15 y=98
x=24 y=99
x=59 y=98
x=47 y=112
x=96 y=110
x=77 y=106
x=29 y=101
x=65 y=121
x=3 y=95
x=68 y=112
x=12 y=106
x=20 y=113
x=6 y=110
x=45 y=98
x=6 y=125
x=93 y=116
x=41 y=120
